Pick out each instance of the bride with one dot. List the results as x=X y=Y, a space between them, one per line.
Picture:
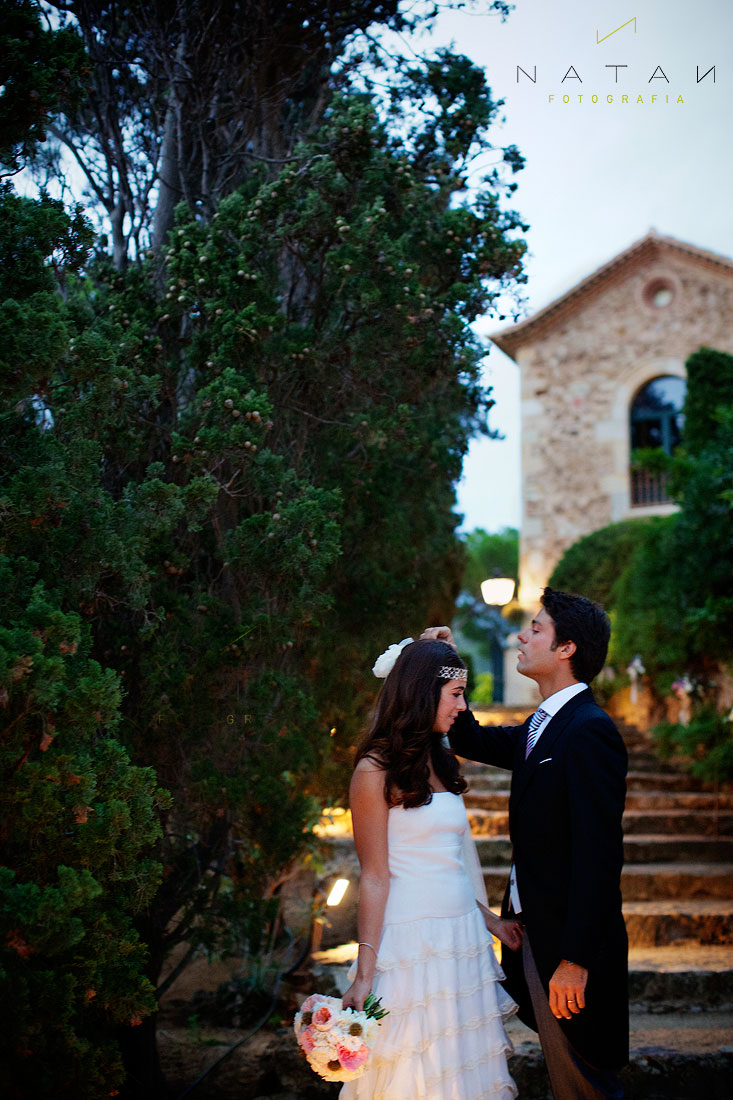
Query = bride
x=424 y=946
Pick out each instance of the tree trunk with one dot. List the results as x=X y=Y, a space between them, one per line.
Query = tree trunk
x=119 y=240
x=169 y=187
x=144 y=1077
x=169 y=180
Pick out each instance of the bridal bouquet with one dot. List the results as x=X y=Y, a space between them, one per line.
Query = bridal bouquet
x=335 y=1040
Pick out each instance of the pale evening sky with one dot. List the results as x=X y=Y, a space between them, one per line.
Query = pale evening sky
x=598 y=175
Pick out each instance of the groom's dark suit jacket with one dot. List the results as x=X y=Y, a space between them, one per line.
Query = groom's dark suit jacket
x=565 y=809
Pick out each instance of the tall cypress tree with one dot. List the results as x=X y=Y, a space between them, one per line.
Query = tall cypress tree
x=257 y=431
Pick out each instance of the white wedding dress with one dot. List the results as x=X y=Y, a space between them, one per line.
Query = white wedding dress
x=437 y=974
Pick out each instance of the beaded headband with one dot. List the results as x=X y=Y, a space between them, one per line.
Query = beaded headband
x=448 y=673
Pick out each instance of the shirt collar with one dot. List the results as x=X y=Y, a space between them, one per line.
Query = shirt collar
x=552 y=704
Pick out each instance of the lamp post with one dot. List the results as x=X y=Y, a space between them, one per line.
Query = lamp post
x=335 y=897
x=497 y=591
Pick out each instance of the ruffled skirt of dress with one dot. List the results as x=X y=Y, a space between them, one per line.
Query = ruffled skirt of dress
x=444 y=1038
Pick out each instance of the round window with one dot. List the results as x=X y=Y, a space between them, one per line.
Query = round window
x=659 y=293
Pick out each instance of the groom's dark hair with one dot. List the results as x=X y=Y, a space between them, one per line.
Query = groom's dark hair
x=577 y=619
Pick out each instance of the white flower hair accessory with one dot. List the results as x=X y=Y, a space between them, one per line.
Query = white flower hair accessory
x=385 y=661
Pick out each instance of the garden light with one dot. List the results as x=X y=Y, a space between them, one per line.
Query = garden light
x=338 y=890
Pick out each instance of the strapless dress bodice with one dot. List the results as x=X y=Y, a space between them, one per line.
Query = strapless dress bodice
x=427 y=875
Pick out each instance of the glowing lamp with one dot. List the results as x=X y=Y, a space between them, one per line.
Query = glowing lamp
x=338 y=890
x=497 y=591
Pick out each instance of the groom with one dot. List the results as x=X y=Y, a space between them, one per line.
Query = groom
x=565 y=808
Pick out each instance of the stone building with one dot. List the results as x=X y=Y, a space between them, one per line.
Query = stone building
x=602 y=373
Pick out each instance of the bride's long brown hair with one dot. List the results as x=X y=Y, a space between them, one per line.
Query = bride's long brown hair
x=400 y=736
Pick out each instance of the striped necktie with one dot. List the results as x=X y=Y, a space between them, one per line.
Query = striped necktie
x=532 y=733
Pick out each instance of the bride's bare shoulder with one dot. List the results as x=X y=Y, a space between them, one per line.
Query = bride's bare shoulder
x=367 y=782
x=369 y=765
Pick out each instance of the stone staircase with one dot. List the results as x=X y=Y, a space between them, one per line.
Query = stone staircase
x=677 y=887
x=678 y=900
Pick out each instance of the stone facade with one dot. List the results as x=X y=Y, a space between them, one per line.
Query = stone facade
x=582 y=360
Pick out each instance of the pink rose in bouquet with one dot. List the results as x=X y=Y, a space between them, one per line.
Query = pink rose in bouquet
x=306 y=1039
x=310 y=1002
x=352 y=1059
x=324 y=1017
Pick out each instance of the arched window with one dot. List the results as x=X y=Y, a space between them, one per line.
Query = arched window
x=656 y=421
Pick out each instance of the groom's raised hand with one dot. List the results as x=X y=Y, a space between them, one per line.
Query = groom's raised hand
x=438 y=634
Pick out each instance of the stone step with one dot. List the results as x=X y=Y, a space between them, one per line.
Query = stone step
x=487 y=798
x=680 y=1056
x=664 y=921
x=636 y=741
x=681 y=800
x=642 y=760
x=492 y=822
x=484 y=774
x=668 y=921
x=497 y=798
x=654 y=881
x=679 y=822
x=484 y=777
x=496 y=850
x=637 y=780
x=675 y=849
x=693 y=977
x=488 y=822
x=493 y=851
x=647 y=882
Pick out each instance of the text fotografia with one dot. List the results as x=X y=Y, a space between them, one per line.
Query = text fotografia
x=616 y=73
x=614 y=99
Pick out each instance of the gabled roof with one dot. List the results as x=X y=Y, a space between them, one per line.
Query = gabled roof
x=650 y=248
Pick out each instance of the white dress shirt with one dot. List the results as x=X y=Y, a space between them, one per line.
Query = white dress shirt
x=551 y=705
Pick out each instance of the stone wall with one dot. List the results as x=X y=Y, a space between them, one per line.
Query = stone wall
x=579 y=374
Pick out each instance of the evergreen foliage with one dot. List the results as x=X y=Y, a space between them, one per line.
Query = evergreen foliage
x=296 y=440
x=645 y=606
x=42 y=70
x=706 y=742
x=593 y=564
x=79 y=821
x=482 y=694
x=709 y=387
x=228 y=471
